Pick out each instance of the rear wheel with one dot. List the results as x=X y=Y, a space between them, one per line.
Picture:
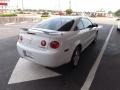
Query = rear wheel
x=76 y=57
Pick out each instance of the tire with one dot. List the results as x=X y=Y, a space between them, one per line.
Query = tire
x=76 y=57
x=95 y=39
x=118 y=29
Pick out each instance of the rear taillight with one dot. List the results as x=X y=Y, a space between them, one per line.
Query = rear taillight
x=20 y=38
x=54 y=44
x=43 y=43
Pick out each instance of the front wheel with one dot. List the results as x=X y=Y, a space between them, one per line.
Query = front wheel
x=118 y=29
x=95 y=39
x=76 y=57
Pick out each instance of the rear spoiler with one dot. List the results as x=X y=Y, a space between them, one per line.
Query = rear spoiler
x=41 y=31
x=47 y=32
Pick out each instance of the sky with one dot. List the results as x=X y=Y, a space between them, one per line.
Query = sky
x=77 y=5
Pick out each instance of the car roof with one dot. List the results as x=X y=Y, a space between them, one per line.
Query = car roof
x=54 y=23
x=67 y=17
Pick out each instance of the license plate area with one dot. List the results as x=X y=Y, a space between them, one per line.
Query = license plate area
x=27 y=54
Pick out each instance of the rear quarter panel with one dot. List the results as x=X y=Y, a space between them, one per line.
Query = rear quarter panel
x=69 y=42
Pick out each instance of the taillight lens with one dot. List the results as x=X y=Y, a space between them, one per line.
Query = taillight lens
x=43 y=43
x=54 y=44
x=20 y=38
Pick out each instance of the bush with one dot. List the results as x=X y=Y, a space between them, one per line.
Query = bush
x=69 y=11
x=8 y=15
x=117 y=13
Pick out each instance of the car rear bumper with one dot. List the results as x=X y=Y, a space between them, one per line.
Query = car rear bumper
x=42 y=57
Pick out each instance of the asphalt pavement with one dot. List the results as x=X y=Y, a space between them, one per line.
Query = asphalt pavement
x=108 y=73
x=63 y=77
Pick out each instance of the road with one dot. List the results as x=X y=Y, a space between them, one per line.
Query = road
x=17 y=75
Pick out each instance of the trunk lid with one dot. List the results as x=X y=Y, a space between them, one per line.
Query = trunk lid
x=32 y=37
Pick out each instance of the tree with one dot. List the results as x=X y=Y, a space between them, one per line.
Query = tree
x=69 y=11
x=110 y=12
x=117 y=13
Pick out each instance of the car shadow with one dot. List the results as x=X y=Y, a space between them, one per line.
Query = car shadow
x=79 y=73
x=88 y=57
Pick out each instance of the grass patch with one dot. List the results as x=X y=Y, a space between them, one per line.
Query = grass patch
x=8 y=15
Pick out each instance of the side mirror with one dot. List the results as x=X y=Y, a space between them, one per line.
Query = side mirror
x=118 y=19
x=24 y=29
x=95 y=25
x=76 y=28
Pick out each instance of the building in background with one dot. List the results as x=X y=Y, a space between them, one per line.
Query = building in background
x=3 y=6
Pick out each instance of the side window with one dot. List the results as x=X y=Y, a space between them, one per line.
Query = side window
x=86 y=22
x=80 y=25
x=67 y=26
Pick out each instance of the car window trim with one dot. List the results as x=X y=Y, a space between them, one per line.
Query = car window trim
x=84 y=25
x=72 y=20
x=80 y=19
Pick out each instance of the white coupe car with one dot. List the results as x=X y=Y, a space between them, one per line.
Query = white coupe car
x=57 y=41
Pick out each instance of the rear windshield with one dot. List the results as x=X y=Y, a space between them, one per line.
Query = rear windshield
x=53 y=24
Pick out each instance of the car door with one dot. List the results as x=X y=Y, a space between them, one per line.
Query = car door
x=90 y=31
x=82 y=33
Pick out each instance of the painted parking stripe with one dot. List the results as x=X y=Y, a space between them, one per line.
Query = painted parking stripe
x=4 y=28
x=27 y=71
x=93 y=70
x=36 y=20
x=9 y=23
x=24 y=22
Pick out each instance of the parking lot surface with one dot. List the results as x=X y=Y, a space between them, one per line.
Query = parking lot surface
x=19 y=74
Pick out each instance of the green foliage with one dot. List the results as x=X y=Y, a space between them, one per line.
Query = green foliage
x=69 y=11
x=110 y=12
x=117 y=13
x=8 y=15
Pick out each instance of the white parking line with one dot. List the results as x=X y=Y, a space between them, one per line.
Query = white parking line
x=92 y=72
x=4 y=28
x=9 y=23
x=27 y=71
x=24 y=22
x=36 y=20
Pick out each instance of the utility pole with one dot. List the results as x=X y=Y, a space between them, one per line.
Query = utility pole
x=69 y=4
x=23 y=10
x=22 y=6
x=17 y=5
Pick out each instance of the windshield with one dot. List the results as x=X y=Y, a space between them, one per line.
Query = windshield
x=53 y=24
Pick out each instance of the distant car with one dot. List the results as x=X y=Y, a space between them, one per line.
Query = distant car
x=92 y=15
x=57 y=41
x=118 y=19
x=45 y=14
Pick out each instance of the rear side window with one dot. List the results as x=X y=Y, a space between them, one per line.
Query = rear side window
x=67 y=26
x=53 y=24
